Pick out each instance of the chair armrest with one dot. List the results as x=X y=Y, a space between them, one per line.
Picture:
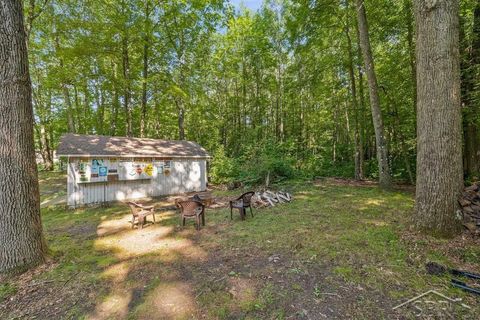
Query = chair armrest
x=145 y=207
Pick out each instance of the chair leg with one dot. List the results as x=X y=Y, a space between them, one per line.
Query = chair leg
x=184 y=221
x=198 y=223
x=133 y=222
x=142 y=221
x=203 y=219
x=153 y=214
x=251 y=211
x=231 y=213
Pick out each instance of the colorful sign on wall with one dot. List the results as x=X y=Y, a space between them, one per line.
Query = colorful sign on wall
x=135 y=170
x=95 y=170
x=102 y=170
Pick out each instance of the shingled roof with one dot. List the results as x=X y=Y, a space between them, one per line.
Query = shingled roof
x=92 y=145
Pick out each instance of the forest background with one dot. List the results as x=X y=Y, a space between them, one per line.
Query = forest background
x=278 y=92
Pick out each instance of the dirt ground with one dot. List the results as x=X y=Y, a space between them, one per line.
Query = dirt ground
x=311 y=259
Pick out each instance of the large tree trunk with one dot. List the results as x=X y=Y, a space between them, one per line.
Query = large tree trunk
x=439 y=137
x=382 y=152
x=21 y=238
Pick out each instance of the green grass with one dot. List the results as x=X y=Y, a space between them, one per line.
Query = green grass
x=331 y=236
x=6 y=289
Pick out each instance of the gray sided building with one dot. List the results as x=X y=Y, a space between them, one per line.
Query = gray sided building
x=103 y=169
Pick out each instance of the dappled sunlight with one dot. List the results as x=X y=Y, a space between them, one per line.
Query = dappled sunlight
x=374 y=202
x=303 y=195
x=242 y=289
x=135 y=242
x=117 y=273
x=172 y=300
x=377 y=223
x=112 y=226
x=115 y=306
x=116 y=235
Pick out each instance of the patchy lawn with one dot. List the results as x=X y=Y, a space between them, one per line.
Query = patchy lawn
x=338 y=251
x=53 y=188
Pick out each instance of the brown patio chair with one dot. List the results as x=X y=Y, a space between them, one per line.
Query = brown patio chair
x=140 y=213
x=191 y=209
x=241 y=203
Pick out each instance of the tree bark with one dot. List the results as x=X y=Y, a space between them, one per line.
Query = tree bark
x=358 y=152
x=126 y=79
x=470 y=71
x=65 y=91
x=115 y=102
x=146 y=40
x=46 y=152
x=181 y=119
x=382 y=152
x=411 y=50
x=21 y=238
x=439 y=138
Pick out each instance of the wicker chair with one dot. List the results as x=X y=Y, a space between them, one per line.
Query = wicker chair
x=140 y=213
x=241 y=203
x=191 y=209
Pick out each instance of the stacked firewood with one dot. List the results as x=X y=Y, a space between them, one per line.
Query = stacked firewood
x=270 y=198
x=470 y=202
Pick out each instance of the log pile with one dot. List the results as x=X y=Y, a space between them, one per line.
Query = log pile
x=470 y=202
x=270 y=199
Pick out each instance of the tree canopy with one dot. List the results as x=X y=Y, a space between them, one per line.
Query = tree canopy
x=280 y=91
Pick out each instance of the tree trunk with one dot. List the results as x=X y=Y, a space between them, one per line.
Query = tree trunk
x=22 y=243
x=382 y=152
x=358 y=154
x=470 y=70
x=145 y=69
x=115 y=102
x=126 y=79
x=439 y=138
x=181 y=119
x=65 y=91
x=411 y=50
x=100 y=118
x=45 y=145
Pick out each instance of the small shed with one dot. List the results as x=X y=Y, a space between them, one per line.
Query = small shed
x=104 y=168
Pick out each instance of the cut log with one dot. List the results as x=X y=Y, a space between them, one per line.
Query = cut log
x=473 y=187
x=464 y=202
x=268 y=198
x=470 y=202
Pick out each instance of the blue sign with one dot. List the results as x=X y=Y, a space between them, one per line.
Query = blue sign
x=102 y=171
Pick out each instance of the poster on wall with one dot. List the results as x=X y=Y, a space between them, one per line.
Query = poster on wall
x=159 y=165
x=102 y=170
x=95 y=170
x=113 y=167
x=98 y=171
x=135 y=170
x=82 y=169
x=162 y=167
